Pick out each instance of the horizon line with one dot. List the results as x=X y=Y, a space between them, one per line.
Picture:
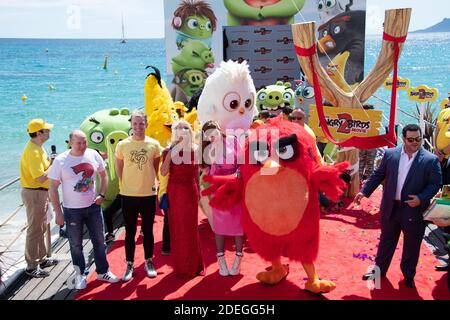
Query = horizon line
x=40 y=38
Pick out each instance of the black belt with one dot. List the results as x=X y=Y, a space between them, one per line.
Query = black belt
x=43 y=189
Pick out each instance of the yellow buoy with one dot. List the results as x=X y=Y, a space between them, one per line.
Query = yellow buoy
x=24 y=98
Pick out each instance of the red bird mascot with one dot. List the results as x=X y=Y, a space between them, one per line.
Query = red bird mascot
x=278 y=182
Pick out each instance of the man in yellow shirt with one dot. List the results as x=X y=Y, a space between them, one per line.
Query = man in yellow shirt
x=442 y=150
x=34 y=165
x=137 y=162
x=442 y=143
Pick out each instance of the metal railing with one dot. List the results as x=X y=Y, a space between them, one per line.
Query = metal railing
x=14 y=213
x=10 y=183
x=6 y=248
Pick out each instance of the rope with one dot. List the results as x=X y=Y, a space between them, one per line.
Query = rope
x=360 y=142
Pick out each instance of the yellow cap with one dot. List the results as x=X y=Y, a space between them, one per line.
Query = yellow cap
x=38 y=124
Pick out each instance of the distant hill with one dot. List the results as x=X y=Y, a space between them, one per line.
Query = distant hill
x=443 y=26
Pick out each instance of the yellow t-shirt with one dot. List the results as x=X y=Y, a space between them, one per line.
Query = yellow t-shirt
x=443 y=122
x=310 y=131
x=138 y=175
x=33 y=163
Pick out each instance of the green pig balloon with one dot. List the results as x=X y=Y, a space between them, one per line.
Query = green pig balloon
x=275 y=98
x=262 y=12
x=104 y=130
x=194 y=55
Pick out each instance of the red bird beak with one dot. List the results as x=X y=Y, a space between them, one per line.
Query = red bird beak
x=271 y=164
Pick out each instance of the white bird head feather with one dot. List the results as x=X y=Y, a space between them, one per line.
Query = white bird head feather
x=229 y=97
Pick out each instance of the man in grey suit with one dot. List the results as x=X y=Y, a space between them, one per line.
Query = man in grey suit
x=412 y=178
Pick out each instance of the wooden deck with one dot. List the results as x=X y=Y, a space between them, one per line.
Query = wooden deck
x=55 y=286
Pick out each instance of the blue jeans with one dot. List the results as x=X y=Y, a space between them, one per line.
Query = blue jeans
x=75 y=221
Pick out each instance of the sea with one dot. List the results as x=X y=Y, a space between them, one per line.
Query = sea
x=64 y=82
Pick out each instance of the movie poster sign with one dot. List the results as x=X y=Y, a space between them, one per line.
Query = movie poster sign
x=345 y=123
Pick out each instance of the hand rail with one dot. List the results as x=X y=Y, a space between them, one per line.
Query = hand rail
x=9 y=183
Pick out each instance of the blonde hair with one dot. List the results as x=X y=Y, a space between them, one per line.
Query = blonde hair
x=140 y=113
x=173 y=139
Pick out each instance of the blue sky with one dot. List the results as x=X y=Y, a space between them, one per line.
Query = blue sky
x=145 y=18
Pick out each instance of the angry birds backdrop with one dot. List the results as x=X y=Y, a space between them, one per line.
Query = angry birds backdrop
x=281 y=155
x=194 y=19
x=262 y=12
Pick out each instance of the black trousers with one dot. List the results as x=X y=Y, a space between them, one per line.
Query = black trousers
x=131 y=208
x=109 y=212
x=413 y=229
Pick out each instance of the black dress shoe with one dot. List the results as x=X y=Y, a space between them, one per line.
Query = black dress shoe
x=409 y=282
x=371 y=275
x=442 y=267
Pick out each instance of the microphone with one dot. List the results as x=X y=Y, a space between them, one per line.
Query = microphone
x=53 y=154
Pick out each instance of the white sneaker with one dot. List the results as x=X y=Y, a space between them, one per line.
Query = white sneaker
x=223 y=269
x=108 y=277
x=236 y=267
x=150 y=269
x=80 y=282
x=128 y=272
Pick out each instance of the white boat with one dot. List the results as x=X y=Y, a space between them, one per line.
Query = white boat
x=123 y=40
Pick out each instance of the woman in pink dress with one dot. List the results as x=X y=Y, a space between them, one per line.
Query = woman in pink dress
x=220 y=154
x=183 y=195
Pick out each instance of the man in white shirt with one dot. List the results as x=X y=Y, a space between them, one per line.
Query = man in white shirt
x=76 y=171
x=412 y=178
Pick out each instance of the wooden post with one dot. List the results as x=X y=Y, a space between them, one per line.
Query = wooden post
x=396 y=24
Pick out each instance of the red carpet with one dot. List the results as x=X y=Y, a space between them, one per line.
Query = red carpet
x=348 y=247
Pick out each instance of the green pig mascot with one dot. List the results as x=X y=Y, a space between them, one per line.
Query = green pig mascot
x=104 y=129
x=275 y=98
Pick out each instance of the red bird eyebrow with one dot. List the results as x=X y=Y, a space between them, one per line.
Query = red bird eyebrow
x=335 y=20
x=285 y=141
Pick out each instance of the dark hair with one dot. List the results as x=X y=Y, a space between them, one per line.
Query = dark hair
x=34 y=134
x=411 y=127
x=193 y=102
x=208 y=125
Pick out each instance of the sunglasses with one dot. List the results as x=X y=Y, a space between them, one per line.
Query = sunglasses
x=411 y=140
x=182 y=128
x=297 y=118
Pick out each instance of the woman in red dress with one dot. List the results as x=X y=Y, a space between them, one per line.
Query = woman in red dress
x=183 y=195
